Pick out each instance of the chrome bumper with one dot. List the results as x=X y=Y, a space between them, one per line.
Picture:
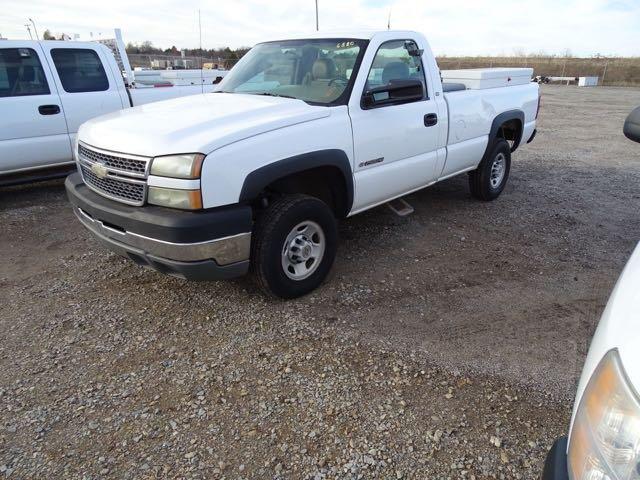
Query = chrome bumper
x=224 y=251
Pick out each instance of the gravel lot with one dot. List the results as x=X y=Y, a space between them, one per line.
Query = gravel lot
x=445 y=345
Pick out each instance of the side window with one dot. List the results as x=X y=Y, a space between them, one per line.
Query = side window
x=80 y=70
x=21 y=73
x=394 y=62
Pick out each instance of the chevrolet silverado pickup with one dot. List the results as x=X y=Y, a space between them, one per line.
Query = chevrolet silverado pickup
x=301 y=132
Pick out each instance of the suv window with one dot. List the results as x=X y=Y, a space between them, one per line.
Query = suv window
x=21 y=73
x=393 y=62
x=80 y=70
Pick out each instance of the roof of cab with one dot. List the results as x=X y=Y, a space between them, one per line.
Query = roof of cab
x=363 y=34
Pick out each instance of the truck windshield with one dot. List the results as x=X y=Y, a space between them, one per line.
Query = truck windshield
x=318 y=71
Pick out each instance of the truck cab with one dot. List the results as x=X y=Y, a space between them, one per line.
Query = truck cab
x=301 y=132
x=47 y=90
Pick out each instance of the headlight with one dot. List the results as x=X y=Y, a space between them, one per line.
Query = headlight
x=605 y=438
x=174 y=198
x=178 y=166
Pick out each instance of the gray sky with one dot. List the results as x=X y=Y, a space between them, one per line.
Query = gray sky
x=454 y=27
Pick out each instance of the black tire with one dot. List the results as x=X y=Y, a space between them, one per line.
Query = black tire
x=480 y=180
x=270 y=233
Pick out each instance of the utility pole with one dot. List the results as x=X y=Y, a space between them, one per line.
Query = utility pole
x=29 y=30
x=35 y=29
x=317 y=23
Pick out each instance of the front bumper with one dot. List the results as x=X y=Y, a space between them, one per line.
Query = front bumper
x=555 y=466
x=204 y=245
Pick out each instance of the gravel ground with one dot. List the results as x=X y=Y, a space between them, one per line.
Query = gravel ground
x=445 y=345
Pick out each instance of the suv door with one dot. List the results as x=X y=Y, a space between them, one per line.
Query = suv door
x=33 y=132
x=86 y=89
x=395 y=145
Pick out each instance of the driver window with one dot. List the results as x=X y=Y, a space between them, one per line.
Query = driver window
x=393 y=62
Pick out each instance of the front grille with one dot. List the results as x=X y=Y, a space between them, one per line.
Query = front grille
x=115 y=175
x=124 y=164
x=111 y=186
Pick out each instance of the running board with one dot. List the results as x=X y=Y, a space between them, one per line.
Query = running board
x=400 y=207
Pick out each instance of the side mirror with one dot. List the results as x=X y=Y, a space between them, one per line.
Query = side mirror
x=217 y=80
x=632 y=126
x=395 y=92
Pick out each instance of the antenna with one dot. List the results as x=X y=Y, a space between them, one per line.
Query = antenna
x=29 y=30
x=317 y=24
x=35 y=29
x=200 y=56
x=389 y=20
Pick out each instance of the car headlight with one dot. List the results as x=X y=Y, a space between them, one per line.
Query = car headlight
x=178 y=166
x=174 y=198
x=605 y=438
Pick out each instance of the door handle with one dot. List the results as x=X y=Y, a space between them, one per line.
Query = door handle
x=49 y=109
x=430 y=120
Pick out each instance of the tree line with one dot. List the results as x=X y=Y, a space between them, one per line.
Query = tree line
x=226 y=53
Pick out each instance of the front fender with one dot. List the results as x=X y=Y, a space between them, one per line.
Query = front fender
x=257 y=180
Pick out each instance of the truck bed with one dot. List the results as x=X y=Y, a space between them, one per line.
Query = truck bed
x=471 y=113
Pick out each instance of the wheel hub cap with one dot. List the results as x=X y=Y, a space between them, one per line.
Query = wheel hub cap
x=498 y=170
x=303 y=250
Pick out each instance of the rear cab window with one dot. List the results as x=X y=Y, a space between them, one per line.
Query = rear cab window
x=80 y=70
x=21 y=73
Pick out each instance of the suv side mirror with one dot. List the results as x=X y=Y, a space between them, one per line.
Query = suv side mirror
x=632 y=126
x=395 y=92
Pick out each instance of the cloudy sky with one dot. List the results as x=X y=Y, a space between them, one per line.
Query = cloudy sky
x=454 y=27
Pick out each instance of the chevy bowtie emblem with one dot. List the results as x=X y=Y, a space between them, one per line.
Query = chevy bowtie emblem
x=99 y=169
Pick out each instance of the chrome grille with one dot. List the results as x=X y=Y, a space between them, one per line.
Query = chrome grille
x=129 y=164
x=115 y=188
x=118 y=176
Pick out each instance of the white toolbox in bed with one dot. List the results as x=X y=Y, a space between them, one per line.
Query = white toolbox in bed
x=481 y=78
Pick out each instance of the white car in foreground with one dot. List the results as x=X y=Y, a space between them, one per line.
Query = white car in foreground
x=301 y=132
x=604 y=438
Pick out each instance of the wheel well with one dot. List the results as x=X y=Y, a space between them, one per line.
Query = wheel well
x=326 y=183
x=511 y=131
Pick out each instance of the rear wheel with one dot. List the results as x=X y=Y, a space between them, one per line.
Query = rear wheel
x=488 y=180
x=294 y=246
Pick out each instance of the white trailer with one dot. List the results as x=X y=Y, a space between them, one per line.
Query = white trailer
x=588 y=81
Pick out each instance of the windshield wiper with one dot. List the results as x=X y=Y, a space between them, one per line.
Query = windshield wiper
x=271 y=94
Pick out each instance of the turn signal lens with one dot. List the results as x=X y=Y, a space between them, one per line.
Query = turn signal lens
x=174 y=198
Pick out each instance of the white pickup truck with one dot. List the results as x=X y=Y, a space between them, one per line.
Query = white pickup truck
x=302 y=132
x=48 y=89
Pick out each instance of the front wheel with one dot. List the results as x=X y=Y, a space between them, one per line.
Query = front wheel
x=294 y=246
x=488 y=180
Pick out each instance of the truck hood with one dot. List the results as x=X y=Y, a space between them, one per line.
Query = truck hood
x=197 y=123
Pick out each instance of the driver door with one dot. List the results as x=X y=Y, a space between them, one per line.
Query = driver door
x=395 y=145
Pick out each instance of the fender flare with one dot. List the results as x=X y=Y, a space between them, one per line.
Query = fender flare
x=257 y=181
x=499 y=121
